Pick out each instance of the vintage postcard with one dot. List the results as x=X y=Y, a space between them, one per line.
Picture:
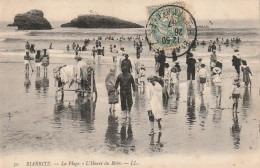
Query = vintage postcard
x=129 y=83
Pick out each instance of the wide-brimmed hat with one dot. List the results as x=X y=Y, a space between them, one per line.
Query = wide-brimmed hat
x=217 y=70
x=142 y=66
x=203 y=65
x=176 y=62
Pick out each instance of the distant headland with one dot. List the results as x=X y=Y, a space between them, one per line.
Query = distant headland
x=100 y=21
x=31 y=20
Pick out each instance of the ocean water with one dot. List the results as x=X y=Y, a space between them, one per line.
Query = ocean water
x=12 y=40
x=34 y=119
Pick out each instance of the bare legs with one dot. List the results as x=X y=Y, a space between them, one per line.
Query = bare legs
x=151 y=119
x=26 y=67
x=235 y=104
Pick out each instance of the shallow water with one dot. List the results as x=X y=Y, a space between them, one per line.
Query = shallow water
x=33 y=119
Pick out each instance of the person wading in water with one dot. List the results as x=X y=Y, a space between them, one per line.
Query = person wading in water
x=126 y=82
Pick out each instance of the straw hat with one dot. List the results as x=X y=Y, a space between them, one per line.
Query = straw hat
x=217 y=70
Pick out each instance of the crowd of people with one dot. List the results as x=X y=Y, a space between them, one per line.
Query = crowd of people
x=158 y=87
x=166 y=82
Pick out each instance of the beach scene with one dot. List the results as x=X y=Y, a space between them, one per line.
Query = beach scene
x=41 y=112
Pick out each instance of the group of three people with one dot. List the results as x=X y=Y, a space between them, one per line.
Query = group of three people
x=127 y=86
x=41 y=57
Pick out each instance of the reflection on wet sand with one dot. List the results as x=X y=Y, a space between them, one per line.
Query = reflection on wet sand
x=174 y=100
x=191 y=117
x=112 y=138
x=235 y=130
x=45 y=83
x=217 y=112
x=27 y=81
x=203 y=112
x=124 y=140
x=42 y=84
x=38 y=82
x=246 y=103
x=83 y=110
x=156 y=146
x=126 y=134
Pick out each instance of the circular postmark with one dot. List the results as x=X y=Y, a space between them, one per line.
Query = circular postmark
x=171 y=27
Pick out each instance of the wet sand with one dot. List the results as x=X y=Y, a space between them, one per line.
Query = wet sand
x=34 y=120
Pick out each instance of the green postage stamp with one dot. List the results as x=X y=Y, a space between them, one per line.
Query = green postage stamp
x=169 y=25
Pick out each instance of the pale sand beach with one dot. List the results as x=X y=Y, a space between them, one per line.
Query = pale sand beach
x=33 y=120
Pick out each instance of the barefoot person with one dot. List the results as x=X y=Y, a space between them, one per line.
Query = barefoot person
x=126 y=63
x=94 y=53
x=26 y=61
x=126 y=82
x=111 y=89
x=236 y=61
x=217 y=80
x=155 y=103
x=191 y=67
x=45 y=60
x=141 y=77
x=213 y=58
x=236 y=93
x=38 y=60
x=246 y=73
x=203 y=77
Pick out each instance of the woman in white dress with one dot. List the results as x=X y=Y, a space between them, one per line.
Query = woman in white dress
x=155 y=102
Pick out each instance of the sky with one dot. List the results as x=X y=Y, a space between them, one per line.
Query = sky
x=131 y=10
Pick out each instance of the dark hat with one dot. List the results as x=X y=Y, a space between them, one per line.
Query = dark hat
x=150 y=78
x=78 y=58
x=236 y=50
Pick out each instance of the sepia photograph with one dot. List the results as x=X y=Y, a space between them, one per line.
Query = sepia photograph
x=129 y=83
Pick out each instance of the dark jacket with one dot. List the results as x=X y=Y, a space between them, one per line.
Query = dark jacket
x=219 y=64
x=236 y=61
x=178 y=67
x=125 y=80
x=126 y=63
x=174 y=56
x=191 y=63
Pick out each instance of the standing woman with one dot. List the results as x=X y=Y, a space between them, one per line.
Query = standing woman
x=155 y=103
x=45 y=61
x=246 y=73
x=162 y=60
x=236 y=61
x=111 y=89
x=38 y=60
